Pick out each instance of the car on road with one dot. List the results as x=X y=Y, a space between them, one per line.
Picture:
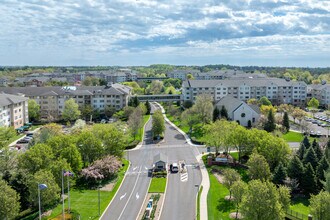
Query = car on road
x=174 y=167
x=22 y=141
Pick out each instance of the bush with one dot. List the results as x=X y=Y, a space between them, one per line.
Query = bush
x=160 y=174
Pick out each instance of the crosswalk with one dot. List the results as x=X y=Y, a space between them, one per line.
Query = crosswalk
x=136 y=173
x=184 y=177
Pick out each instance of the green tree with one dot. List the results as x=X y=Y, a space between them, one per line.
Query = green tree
x=261 y=201
x=279 y=174
x=33 y=110
x=40 y=156
x=296 y=169
x=135 y=121
x=313 y=103
x=326 y=183
x=147 y=104
x=71 y=110
x=109 y=111
x=86 y=112
x=19 y=183
x=270 y=124
x=309 y=182
x=90 y=147
x=216 y=114
x=158 y=123
x=5 y=135
x=284 y=196
x=310 y=157
x=320 y=171
x=49 y=196
x=238 y=189
x=317 y=150
x=327 y=150
x=224 y=112
x=204 y=108
x=9 y=201
x=264 y=101
x=189 y=118
x=304 y=145
x=230 y=177
x=258 y=168
x=286 y=122
x=320 y=205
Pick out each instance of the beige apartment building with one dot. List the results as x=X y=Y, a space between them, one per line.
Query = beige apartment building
x=13 y=110
x=52 y=99
x=278 y=91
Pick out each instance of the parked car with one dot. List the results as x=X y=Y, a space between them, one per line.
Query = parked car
x=22 y=141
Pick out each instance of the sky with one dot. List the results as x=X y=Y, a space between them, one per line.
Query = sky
x=178 y=32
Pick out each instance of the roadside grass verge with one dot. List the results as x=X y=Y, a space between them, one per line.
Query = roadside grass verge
x=138 y=138
x=85 y=202
x=199 y=203
x=293 y=136
x=300 y=205
x=157 y=185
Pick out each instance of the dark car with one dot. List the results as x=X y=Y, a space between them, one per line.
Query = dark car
x=22 y=141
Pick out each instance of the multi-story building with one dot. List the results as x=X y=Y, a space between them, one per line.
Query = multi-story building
x=321 y=93
x=182 y=74
x=278 y=91
x=52 y=99
x=13 y=110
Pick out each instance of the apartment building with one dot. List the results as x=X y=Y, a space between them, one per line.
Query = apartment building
x=52 y=99
x=13 y=110
x=320 y=92
x=278 y=91
x=182 y=74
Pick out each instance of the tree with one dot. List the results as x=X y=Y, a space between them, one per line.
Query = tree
x=189 y=118
x=204 y=108
x=135 y=121
x=87 y=81
x=158 y=123
x=317 y=150
x=33 y=110
x=265 y=109
x=19 y=183
x=230 y=177
x=9 y=201
x=313 y=103
x=252 y=101
x=320 y=205
x=296 y=169
x=224 y=112
x=49 y=196
x=156 y=87
x=71 y=110
x=279 y=174
x=147 y=104
x=86 y=112
x=270 y=124
x=134 y=102
x=284 y=196
x=327 y=150
x=90 y=147
x=36 y=158
x=5 y=135
x=109 y=111
x=326 y=183
x=320 y=171
x=310 y=157
x=187 y=104
x=309 y=182
x=216 y=114
x=238 y=189
x=265 y=197
x=258 y=168
x=298 y=114
x=286 y=122
x=264 y=101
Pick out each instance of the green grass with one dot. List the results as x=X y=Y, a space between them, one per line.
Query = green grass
x=157 y=185
x=292 y=136
x=300 y=205
x=234 y=155
x=198 y=202
x=15 y=138
x=86 y=201
x=217 y=206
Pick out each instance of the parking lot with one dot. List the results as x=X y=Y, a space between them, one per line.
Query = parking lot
x=319 y=125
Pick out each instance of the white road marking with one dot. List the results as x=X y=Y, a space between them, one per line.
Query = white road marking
x=135 y=168
x=145 y=167
x=122 y=196
x=122 y=212
x=137 y=195
x=184 y=177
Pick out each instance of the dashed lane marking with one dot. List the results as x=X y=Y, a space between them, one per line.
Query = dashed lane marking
x=184 y=177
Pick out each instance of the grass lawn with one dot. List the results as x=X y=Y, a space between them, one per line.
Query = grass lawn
x=292 y=136
x=198 y=202
x=300 y=205
x=217 y=206
x=157 y=185
x=86 y=201
x=15 y=138
x=234 y=155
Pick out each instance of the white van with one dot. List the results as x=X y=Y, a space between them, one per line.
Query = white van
x=174 y=168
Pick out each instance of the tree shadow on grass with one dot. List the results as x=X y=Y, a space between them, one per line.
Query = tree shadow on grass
x=225 y=205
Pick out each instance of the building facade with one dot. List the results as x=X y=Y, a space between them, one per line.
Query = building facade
x=278 y=91
x=13 y=110
x=321 y=92
x=52 y=99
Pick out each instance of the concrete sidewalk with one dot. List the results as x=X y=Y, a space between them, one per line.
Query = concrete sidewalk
x=205 y=176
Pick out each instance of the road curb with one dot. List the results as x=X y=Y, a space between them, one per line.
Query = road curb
x=161 y=208
x=129 y=165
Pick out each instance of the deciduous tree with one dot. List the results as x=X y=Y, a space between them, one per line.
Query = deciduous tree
x=9 y=201
x=71 y=110
x=204 y=108
x=230 y=177
x=158 y=123
x=264 y=101
x=135 y=121
x=320 y=205
x=33 y=110
x=258 y=168
x=238 y=189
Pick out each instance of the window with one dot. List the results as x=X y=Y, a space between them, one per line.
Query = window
x=243 y=115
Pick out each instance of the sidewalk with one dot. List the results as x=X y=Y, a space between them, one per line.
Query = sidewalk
x=205 y=176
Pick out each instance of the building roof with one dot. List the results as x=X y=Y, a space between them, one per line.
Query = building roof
x=114 y=89
x=229 y=102
x=159 y=157
x=8 y=99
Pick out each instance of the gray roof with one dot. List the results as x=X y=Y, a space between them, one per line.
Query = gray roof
x=230 y=103
x=160 y=157
x=8 y=99
x=114 y=89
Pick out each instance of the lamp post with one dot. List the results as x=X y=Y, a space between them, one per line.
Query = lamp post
x=40 y=187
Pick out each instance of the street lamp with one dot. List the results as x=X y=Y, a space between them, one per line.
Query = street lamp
x=40 y=187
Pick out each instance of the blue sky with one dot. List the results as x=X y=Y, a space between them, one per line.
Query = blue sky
x=181 y=32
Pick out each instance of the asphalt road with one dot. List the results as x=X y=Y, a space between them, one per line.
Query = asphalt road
x=180 y=199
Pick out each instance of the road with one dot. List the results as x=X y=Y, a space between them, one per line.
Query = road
x=180 y=199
